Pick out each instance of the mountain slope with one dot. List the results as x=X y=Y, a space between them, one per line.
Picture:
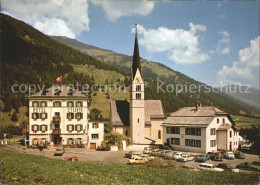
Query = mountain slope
x=30 y=57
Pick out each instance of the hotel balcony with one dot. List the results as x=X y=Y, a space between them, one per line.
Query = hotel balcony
x=56 y=131
x=56 y=119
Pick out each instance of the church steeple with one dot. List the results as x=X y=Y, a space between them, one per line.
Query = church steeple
x=136 y=57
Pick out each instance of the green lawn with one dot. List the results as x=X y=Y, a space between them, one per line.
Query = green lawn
x=28 y=169
x=243 y=121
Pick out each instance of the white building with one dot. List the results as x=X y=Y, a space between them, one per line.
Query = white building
x=59 y=115
x=200 y=129
x=96 y=134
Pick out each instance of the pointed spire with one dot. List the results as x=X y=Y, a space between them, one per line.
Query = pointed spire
x=136 y=57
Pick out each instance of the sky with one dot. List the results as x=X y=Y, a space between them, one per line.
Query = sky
x=215 y=42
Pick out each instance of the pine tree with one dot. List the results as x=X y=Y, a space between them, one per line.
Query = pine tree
x=14 y=117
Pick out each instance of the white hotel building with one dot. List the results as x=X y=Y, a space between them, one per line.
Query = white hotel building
x=200 y=129
x=59 y=115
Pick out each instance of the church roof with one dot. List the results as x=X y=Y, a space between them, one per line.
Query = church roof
x=136 y=58
x=120 y=112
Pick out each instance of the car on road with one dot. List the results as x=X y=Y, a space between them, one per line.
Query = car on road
x=217 y=157
x=248 y=166
x=155 y=152
x=163 y=153
x=186 y=158
x=257 y=163
x=147 y=150
x=227 y=167
x=177 y=155
x=169 y=155
x=202 y=158
x=209 y=167
x=239 y=155
x=229 y=155
x=59 y=151
x=132 y=153
x=73 y=158
x=137 y=160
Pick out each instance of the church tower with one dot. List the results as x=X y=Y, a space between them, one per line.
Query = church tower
x=137 y=118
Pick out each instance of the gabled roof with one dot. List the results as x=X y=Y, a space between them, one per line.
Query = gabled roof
x=191 y=116
x=58 y=92
x=120 y=112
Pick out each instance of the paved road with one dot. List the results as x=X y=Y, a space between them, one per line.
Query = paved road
x=110 y=157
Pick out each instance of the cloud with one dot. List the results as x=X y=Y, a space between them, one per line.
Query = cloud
x=224 y=43
x=219 y=4
x=246 y=69
x=181 y=46
x=52 y=17
x=116 y=9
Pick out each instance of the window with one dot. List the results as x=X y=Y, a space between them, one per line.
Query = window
x=70 y=128
x=198 y=131
x=94 y=136
x=223 y=120
x=43 y=115
x=217 y=120
x=175 y=141
x=44 y=128
x=70 y=141
x=168 y=130
x=193 y=143
x=126 y=132
x=43 y=104
x=138 y=96
x=70 y=115
x=70 y=104
x=212 y=131
x=95 y=125
x=79 y=128
x=138 y=120
x=79 y=115
x=35 y=104
x=35 y=116
x=230 y=133
x=159 y=134
x=212 y=143
x=193 y=131
x=79 y=104
x=56 y=104
x=138 y=88
x=35 y=128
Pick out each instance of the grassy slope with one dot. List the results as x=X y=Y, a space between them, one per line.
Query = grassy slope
x=29 y=169
x=243 y=121
x=6 y=118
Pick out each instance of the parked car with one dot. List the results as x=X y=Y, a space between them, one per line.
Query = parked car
x=217 y=157
x=147 y=150
x=229 y=155
x=187 y=166
x=227 y=167
x=177 y=155
x=169 y=155
x=137 y=160
x=155 y=152
x=146 y=156
x=73 y=158
x=257 y=163
x=202 y=158
x=209 y=167
x=163 y=153
x=248 y=166
x=132 y=153
x=186 y=158
x=59 y=151
x=239 y=155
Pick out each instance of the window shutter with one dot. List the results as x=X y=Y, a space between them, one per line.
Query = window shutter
x=81 y=115
x=72 y=115
x=41 y=127
x=53 y=104
x=67 y=115
x=37 y=115
x=46 y=115
x=81 y=127
x=72 y=127
x=67 y=127
x=68 y=140
x=32 y=128
x=46 y=127
x=38 y=127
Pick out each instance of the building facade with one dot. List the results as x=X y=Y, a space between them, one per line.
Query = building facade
x=138 y=118
x=95 y=134
x=200 y=129
x=59 y=116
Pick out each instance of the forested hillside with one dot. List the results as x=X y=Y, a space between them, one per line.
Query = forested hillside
x=30 y=57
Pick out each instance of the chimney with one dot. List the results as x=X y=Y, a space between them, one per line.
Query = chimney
x=198 y=104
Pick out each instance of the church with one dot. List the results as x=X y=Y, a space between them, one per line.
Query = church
x=138 y=118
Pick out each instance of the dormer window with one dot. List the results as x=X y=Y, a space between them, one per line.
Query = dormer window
x=43 y=104
x=56 y=104
x=70 y=93
x=35 y=104
x=57 y=92
x=79 y=104
x=70 y=104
